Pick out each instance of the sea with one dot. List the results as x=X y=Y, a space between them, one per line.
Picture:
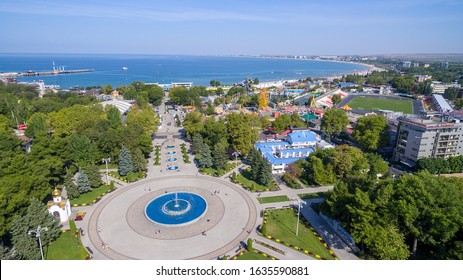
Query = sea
x=118 y=70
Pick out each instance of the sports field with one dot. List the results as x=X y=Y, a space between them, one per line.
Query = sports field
x=370 y=103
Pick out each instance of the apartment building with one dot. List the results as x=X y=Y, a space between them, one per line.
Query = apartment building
x=427 y=138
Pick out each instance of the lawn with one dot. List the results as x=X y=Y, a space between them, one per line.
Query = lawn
x=370 y=103
x=271 y=199
x=252 y=256
x=281 y=224
x=243 y=179
x=89 y=197
x=217 y=173
x=66 y=247
x=130 y=177
x=312 y=195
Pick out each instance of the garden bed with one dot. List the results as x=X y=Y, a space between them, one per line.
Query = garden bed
x=91 y=197
x=245 y=182
x=280 y=226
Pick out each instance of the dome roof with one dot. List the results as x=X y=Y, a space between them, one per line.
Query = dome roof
x=56 y=193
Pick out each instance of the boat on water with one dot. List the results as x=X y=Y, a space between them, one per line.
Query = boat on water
x=124 y=68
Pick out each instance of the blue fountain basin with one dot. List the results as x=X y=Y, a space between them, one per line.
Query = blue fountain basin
x=169 y=211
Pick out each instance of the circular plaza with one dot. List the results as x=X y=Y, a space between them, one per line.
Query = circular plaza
x=120 y=229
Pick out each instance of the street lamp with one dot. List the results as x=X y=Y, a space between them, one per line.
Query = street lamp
x=299 y=203
x=106 y=160
x=37 y=235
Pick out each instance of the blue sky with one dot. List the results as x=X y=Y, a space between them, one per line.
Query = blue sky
x=217 y=27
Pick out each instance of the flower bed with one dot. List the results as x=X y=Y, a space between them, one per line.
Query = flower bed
x=243 y=255
x=157 y=160
x=186 y=158
x=129 y=178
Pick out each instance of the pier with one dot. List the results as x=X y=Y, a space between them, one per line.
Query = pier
x=54 y=72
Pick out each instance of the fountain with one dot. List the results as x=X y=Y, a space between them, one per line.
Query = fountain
x=173 y=209
x=172 y=167
x=171 y=152
x=172 y=159
x=170 y=147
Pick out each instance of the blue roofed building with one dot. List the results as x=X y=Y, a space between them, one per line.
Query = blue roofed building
x=299 y=144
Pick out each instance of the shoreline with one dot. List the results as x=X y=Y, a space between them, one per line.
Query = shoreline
x=293 y=77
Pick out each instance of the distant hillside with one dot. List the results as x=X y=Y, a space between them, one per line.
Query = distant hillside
x=451 y=57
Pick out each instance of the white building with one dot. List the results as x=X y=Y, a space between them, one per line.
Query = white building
x=280 y=154
x=59 y=207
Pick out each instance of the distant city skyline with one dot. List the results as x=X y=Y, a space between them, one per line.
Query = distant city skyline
x=207 y=27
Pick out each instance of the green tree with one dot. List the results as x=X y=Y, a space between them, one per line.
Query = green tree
x=243 y=131
x=71 y=188
x=334 y=121
x=138 y=160
x=372 y=132
x=145 y=117
x=83 y=184
x=93 y=174
x=155 y=94
x=215 y=132
x=404 y=83
x=26 y=246
x=336 y=99
x=265 y=173
x=249 y=245
x=125 y=162
x=193 y=123
x=197 y=144
x=114 y=117
x=83 y=150
x=451 y=93
x=458 y=103
x=220 y=157
x=37 y=125
x=205 y=159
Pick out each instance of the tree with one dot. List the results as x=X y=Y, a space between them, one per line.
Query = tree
x=249 y=245
x=83 y=185
x=372 y=132
x=197 y=144
x=193 y=123
x=138 y=160
x=125 y=162
x=263 y=98
x=458 y=103
x=243 y=131
x=334 y=121
x=71 y=188
x=215 y=83
x=255 y=81
x=336 y=99
x=265 y=173
x=205 y=159
x=404 y=83
x=37 y=125
x=26 y=246
x=220 y=157
x=93 y=174
x=114 y=117
x=145 y=117
x=281 y=123
x=215 y=132
x=83 y=150
x=451 y=93
x=155 y=94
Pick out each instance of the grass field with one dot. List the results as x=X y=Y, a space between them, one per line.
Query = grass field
x=66 y=247
x=271 y=199
x=90 y=196
x=370 y=103
x=281 y=224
